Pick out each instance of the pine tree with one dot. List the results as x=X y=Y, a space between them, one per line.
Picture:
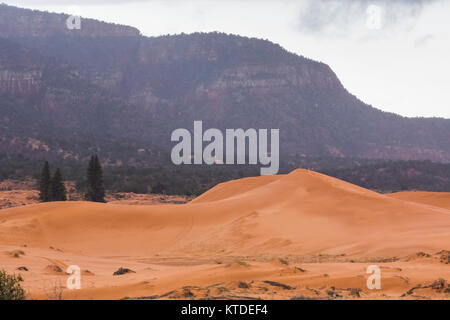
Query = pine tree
x=58 y=188
x=45 y=194
x=90 y=195
x=96 y=190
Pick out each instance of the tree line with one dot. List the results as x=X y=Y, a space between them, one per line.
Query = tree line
x=53 y=188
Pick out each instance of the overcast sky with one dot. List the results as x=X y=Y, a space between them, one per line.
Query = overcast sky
x=392 y=54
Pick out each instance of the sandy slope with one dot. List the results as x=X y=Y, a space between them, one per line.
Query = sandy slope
x=236 y=232
x=20 y=197
x=438 y=199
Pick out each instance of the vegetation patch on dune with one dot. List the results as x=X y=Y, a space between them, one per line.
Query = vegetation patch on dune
x=10 y=288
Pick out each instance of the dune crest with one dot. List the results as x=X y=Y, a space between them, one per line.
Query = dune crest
x=300 y=213
x=438 y=199
x=272 y=237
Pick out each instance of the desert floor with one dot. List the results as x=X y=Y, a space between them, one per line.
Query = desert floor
x=296 y=236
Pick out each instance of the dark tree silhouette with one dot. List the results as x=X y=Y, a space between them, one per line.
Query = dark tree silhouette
x=45 y=192
x=58 y=188
x=95 y=188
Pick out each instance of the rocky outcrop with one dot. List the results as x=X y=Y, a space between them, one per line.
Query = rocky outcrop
x=107 y=88
x=23 y=83
x=16 y=22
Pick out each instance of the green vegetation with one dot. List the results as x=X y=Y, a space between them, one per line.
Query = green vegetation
x=379 y=175
x=51 y=189
x=45 y=184
x=95 y=189
x=394 y=176
x=58 y=188
x=10 y=288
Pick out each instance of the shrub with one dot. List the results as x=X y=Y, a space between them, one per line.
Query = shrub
x=122 y=271
x=10 y=288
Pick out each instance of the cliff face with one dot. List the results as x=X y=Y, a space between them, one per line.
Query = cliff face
x=22 y=83
x=106 y=88
x=15 y=22
x=275 y=77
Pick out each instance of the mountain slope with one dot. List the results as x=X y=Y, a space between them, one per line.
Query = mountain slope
x=141 y=89
x=49 y=110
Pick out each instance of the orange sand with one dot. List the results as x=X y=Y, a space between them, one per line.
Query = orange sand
x=311 y=232
x=438 y=199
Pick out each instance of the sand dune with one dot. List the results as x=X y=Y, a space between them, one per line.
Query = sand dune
x=302 y=214
x=438 y=199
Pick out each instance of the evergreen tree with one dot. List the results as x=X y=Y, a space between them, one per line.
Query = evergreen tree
x=45 y=192
x=58 y=188
x=95 y=188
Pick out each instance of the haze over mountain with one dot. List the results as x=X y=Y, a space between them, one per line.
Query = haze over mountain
x=68 y=93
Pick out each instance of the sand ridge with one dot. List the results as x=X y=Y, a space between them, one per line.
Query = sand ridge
x=302 y=214
x=438 y=199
